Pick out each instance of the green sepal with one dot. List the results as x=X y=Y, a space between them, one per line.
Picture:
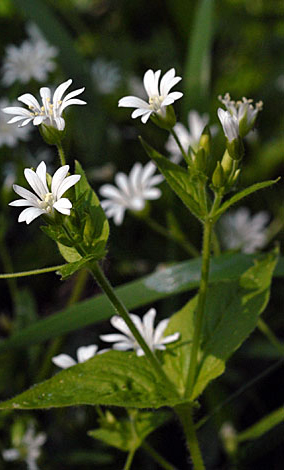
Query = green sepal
x=167 y=121
x=51 y=135
x=235 y=148
x=178 y=179
x=127 y=434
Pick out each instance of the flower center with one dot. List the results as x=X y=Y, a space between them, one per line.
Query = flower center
x=47 y=202
x=155 y=102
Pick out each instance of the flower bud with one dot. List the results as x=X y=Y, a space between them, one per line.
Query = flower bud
x=166 y=119
x=227 y=163
x=229 y=438
x=200 y=160
x=218 y=178
x=205 y=141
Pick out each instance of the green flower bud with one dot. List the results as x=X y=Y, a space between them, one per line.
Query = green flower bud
x=200 y=160
x=165 y=120
x=227 y=163
x=235 y=148
x=205 y=141
x=51 y=135
x=218 y=178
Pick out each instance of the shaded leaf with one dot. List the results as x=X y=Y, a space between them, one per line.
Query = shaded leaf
x=264 y=425
x=177 y=177
x=114 y=378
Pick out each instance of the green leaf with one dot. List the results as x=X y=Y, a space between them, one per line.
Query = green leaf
x=177 y=177
x=128 y=434
x=69 y=253
x=264 y=425
x=245 y=192
x=96 y=228
x=170 y=281
x=231 y=314
x=232 y=311
x=196 y=79
x=113 y=378
x=69 y=269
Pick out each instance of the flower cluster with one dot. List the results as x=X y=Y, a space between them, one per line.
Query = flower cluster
x=33 y=59
x=154 y=337
x=10 y=134
x=50 y=113
x=159 y=96
x=240 y=116
x=28 y=449
x=45 y=200
x=241 y=231
x=131 y=192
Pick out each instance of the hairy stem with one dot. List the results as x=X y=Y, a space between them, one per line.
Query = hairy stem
x=121 y=310
x=33 y=272
x=207 y=235
x=184 y=413
x=163 y=463
x=129 y=460
x=61 y=154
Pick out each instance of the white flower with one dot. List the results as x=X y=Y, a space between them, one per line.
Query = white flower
x=28 y=449
x=45 y=200
x=84 y=353
x=106 y=76
x=51 y=110
x=159 y=96
x=243 y=111
x=154 y=337
x=33 y=59
x=188 y=137
x=241 y=231
x=132 y=191
x=229 y=123
x=10 y=134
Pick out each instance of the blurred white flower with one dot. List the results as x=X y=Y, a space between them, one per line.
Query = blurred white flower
x=154 y=337
x=241 y=231
x=33 y=59
x=106 y=76
x=131 y=192
x=159 y=96
x=10 y=134
x=243 y=111
x=28 y=449
x=84 y=353
x=50 y=113
x=229 y=123
x=188 y=137
x=45 y=200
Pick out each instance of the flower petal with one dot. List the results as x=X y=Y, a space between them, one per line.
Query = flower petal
x=64 y=361
x=58 y=179
x=86 y=352
x=29 y=214
x=133 y=102
x=63 y=206
x=60 y=90
x=66 y=184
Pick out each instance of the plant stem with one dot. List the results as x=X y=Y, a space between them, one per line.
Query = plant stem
x=264 y=328
x=123 y=312
x=185 y=244
x=129 y=460
x=61 y=154
x=185 y=415
x=31 y=273
x=208 y=225
x=157 y=457
x=183 y=152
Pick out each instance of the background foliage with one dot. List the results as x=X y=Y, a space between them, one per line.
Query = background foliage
x=228 y=45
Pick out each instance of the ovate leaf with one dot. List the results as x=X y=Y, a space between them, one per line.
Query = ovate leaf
x=177 y=177
x=114 y=378
x=231 y=313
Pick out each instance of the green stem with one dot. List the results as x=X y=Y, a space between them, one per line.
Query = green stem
x=183 y=152
x=31 y=273
x=264 y=328
x=61 y=154
x=129 y=459
x=208 y=225
x=185 y=415
x=185 y=244
x=157 y=457
x=123 y=312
